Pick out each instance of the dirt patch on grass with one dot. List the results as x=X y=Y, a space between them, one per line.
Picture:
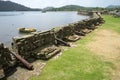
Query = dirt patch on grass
x=107 y=45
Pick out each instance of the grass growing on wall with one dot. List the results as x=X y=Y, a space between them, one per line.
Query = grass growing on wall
x=79 y=63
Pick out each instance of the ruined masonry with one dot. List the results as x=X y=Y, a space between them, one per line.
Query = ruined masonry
x=29 y=45
x=44 y=45
x=6 y=60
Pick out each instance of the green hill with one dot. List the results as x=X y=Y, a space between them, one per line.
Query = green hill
x=113 y=6
x=11 y=6
x=65 y=8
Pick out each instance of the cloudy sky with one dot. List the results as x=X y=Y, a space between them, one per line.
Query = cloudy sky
x=58 y=3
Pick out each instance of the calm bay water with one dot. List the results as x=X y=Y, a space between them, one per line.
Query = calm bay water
x=11 y=21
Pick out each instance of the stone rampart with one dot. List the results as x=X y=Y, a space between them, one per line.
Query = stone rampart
x=42 y=45
x=26 y=44
x=6 y=60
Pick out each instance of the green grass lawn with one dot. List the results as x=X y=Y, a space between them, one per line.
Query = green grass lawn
x=111 y=23
x=79 y=63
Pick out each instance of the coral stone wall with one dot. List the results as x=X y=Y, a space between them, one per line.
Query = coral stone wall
x=24 y=45
x=5 y=57
x=27 y=45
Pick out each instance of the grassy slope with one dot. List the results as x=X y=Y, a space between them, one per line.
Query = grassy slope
x=111 y=23
x=80 y=63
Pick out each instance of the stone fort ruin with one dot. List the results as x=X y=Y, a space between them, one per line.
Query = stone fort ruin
x=44 y=45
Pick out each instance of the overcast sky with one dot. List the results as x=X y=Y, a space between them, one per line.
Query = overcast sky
x=59 y=3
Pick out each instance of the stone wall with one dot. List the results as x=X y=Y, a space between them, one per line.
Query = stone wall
x=78 y=26
x=85 y=12
x=6 y=60
x=25 y=45
x=42 y=45
x=92 y=14
x=35 y=44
